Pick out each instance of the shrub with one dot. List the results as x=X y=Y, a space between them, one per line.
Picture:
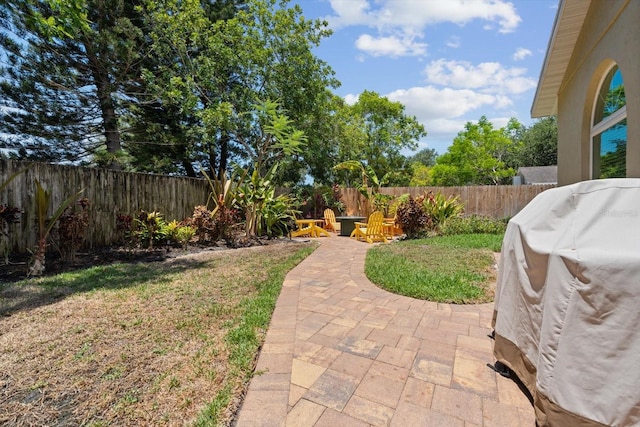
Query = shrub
x=412 y=218
x=474 y=224
x=151 y=228
x=202 y=221
x=441 y=208
x=72 y=226
x=277 y=216
x=124 y=227
x=184 y=234
x=8 y=215
x=224 y=223
x=393 y=206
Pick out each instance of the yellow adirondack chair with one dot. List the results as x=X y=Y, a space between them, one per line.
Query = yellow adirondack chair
x=330 y=222
x=371 y=231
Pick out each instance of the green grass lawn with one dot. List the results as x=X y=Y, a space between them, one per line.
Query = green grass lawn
x=449 y=269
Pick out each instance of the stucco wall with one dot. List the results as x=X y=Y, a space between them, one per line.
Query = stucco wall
x=611 y=33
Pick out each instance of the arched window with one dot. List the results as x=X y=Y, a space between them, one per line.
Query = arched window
x=609 y=129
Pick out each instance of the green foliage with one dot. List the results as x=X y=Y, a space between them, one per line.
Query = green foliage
x=183 y=235
x=277 y=216
x=398 y=201
x=150 y=228
x=420 y=175
x=74 y=65
x=223 y=189
x=380 y=203
x=373 y=132
x=312 y=200
x=369 y=183
x=474 y=224
x=214 y=67
x=478 y=156
x=537 y=145
x=254 y=195
x=426 y=157
x=441 y=208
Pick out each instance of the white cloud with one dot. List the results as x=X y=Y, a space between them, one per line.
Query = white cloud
x=351 y=99
x=390 y=46
x=429 y=102
x=400 y=22
x=488 y=77
x=418 y=14
x=453 y=42
x=521 y=53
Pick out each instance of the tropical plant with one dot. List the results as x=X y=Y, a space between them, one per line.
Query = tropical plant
x=441 y=208
x=253 y=196
x=45 y=225
x=71 y=229
x=412 y=218
x=226 y=221
x=8 y=215
x=277 y=216
x=369 y=184
x=151 y=227
x=183 y=235
x=124 y=227
x=380 y=202
x=224 y=189
x=202 y=221
x=393 y=205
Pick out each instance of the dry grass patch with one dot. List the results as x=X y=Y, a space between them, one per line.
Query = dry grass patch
x=137 y=344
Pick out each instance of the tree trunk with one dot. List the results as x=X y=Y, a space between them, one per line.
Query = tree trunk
x=224 y=154
x=107 y=108
x=37 y=266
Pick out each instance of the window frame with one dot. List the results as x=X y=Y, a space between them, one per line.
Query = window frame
x=606 y=123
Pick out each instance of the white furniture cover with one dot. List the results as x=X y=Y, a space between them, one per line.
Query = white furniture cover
x=567 y=306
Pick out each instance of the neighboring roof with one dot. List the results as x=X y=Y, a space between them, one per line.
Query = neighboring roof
x=566 y=29
x=539 y=174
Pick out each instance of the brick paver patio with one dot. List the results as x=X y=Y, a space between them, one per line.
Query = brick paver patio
x=342 y=352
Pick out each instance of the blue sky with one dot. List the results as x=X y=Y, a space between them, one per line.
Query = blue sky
x=447 y=61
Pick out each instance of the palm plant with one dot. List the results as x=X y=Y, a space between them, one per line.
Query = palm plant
x=45 y=225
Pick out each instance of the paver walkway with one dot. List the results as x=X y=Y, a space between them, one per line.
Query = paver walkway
x=342 y=352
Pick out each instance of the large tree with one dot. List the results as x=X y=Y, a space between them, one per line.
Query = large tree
x=537 y=145
x=478 y=156
x=216 y=71
x=64 y=79
x=375 y=131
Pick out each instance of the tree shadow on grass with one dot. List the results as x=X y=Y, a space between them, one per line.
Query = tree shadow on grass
x=32 y=293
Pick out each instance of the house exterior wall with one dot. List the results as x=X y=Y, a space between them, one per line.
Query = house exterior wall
x=610 y=34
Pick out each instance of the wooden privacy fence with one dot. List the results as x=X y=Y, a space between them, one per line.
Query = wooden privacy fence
x=497 y=201
x=109 y=192
x=114 y=192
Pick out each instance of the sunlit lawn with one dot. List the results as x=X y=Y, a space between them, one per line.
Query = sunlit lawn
x=450 y=269
x=163 y=343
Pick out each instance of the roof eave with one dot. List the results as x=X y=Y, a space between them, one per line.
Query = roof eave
x=566 y=29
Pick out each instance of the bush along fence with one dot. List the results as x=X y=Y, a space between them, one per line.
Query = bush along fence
x=110 y=193
x=496 y=201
